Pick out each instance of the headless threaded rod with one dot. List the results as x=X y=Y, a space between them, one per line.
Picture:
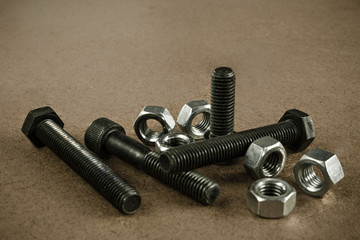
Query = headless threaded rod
x=195 y=155
x=100 y=176
x=107 y=137
x=222 y=102
x=192 y=184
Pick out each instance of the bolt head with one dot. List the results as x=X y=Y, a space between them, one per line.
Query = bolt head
x=306 y=128
x=98 y=132
x=34 y=118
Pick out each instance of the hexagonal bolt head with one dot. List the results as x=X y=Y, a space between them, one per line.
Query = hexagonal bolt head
x=306 y=126
x=265 y=157
x=160 y=114
x=171 y=140
x=271 y=198
x=329 y=166
x=34 y=118
x=187 y=114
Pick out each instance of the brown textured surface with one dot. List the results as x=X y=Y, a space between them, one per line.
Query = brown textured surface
x=89 y=59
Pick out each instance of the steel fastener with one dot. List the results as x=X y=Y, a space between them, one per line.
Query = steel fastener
x=329 y=166
x=43 y=127
x=271 y=198
x=106 y=137
x=222 y=102
x=295 y=131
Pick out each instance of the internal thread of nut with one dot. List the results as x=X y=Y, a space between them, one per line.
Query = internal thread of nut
x=309 y=179
x=100 y=176
x=147 y=132
x=272 y=189
x=192 y=184
x=272 y=164
x=204 y=123
x=222 y=102
x=188 y=157
x=174 y=142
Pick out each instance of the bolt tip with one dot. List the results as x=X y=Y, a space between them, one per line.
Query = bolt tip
x=211 y=194
x=130 y=203
x=223 y=72
x=166 y=163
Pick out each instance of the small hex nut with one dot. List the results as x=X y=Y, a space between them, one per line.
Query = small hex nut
x=329 y=166
x=160 y=114
x=271 y=198
x=265 y=158
x=187 y=114
x=171 y=140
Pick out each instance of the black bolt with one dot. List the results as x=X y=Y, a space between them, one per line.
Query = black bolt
x=295 y=131
x=44 y=127
x=222 y=102
x=106 y=137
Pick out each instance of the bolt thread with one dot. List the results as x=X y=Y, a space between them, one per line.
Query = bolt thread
x=222 y=102
x=191 y=184
x=195 y=155
x=117 y=191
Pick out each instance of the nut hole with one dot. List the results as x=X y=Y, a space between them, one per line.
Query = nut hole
x=174 y=142
x=153 y=132
x=272 y=164
x=312 y=180
x=272 y=189
x=201 y=126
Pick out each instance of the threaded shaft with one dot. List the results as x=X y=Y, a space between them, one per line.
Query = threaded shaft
x=192 y=184
x=222 y=102
x=100 y=176
x=188 y=157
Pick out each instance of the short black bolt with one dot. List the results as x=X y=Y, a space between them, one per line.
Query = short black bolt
x=44 y=127
x=106 y=137
x=222 y=102
x=295 y=131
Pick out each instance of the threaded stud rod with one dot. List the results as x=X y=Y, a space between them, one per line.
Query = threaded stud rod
x=222 y=102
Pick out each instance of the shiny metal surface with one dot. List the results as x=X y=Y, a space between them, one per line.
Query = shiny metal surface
x=171 y=140
x=330 y=172
x=265 y=157
x=271 y=198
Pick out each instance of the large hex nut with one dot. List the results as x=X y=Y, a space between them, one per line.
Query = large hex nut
x=330 y=169
x=160 y=114
x=171 y=140
x=187 y=114
x=271 y=198
x=265 y=157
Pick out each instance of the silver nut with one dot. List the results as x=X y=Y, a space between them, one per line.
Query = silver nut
x=187 y=114
x=172 y=140
x=329 y=167
x=265 y=157
x=271 y=198
x=160 y=114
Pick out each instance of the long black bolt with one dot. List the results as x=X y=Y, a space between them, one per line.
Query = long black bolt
x=44 y=127
x=295 y=130
x=106 y=137
x=222 y=102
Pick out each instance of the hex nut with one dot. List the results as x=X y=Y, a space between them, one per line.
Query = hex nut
x=329 y=166
x=187 y=114
x=271 y=198
x=160 y=114
x=265 y=157
x=171 y=140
